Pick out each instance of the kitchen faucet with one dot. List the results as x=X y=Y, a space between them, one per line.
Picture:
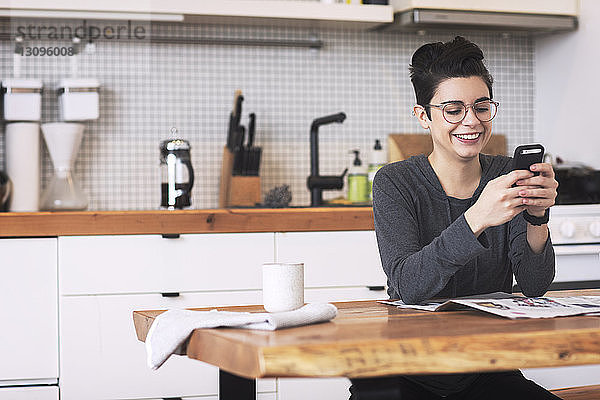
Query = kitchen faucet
x=315 y=182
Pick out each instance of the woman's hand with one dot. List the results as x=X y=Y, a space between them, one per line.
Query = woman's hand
x=538 y=192
x=499 y=201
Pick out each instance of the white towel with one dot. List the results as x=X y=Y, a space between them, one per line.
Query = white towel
x=170 y=330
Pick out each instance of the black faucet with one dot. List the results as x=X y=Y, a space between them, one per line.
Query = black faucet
x=315 y=182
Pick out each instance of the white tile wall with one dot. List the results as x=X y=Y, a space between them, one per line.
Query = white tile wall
x=147 y=88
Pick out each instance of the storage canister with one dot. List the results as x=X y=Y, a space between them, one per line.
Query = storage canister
x=22 y=99
x=78 y=99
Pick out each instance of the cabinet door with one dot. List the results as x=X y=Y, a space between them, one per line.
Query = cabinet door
x=327 y=295
x=101 y=357
x=333 y=258
x=313 y=388
x=29 y=393
x=153 y=264
x=259 y=396
x=28 y=294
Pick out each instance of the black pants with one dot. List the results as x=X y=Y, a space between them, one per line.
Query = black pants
x=488 y=386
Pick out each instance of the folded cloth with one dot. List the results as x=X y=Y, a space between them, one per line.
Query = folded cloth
x=170 y=330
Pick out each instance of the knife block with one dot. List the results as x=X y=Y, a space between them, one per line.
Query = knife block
x=236 y=190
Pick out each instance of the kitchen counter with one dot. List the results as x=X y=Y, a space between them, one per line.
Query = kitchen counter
x=71 y=223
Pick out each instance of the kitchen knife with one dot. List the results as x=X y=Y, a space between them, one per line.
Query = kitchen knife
x=234 y=120
x=250 y=150
x=238 y=152
x=254 y=152
x=251 y=128
x=231 y=133
x=237 y=108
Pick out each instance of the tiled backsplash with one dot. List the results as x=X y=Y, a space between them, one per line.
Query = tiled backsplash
x=147 y=88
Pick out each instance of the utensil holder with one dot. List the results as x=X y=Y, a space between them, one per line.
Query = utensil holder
x=236 y=190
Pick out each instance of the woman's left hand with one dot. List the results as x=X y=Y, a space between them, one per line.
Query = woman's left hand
x=539 y=192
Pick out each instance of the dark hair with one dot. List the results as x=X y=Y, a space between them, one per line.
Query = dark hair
x=433 y=63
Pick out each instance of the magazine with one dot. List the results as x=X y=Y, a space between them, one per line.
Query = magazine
x=513 y=306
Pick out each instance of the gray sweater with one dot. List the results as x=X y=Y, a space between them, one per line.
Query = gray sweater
x=428 y=250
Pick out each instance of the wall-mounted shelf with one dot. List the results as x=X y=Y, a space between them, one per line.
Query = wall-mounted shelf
x=231 y=12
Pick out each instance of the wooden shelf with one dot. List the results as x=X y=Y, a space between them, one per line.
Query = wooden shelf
x=73 y=223
x=239 y=12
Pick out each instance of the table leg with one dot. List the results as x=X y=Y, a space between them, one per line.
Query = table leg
x=235 y=387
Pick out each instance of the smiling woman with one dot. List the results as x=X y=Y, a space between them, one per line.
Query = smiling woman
x=450 y=224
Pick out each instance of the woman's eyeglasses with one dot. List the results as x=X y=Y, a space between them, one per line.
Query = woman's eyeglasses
x=455 y=112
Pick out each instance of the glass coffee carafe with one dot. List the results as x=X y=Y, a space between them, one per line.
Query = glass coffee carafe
x=177 y=174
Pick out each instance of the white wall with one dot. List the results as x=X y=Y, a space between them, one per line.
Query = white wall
x=568 y=89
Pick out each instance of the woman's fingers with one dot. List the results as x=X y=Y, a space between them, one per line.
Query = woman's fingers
x=545 y=169
x=514 y=176
x=537 y=192
x=538 y=202
x=539 y=180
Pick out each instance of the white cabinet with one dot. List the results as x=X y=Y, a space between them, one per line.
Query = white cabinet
x=259 y=396
x=29 y=393
x=338 y=266
x=333 y=259
x=103 y=279
x=312 y=388
x=28 y=294
x=153 y=264
x=101 y=357
x=238 y=12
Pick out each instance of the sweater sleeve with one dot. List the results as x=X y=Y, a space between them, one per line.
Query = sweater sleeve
x=416 y=273
x=534 y=272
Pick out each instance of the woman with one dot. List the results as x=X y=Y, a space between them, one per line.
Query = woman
x=452 y=224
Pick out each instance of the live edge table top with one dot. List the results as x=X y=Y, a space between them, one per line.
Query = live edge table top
x=368 y=338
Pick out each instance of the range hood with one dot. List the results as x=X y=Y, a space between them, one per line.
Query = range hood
x=505 y=15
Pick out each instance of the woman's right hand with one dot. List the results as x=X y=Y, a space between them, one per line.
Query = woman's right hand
x=498 y=203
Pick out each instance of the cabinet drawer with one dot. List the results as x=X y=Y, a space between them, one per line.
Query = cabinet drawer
x=28 y=294
x=333 y=258
x=29 y=393
x=327 y=295
x=259 y=396
x=313 y=388
x=153 y=264
x=101 y=357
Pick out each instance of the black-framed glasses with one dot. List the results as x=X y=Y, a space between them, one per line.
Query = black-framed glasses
x=455 y=112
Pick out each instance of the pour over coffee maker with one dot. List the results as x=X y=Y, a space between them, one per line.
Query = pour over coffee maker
x=63 y=193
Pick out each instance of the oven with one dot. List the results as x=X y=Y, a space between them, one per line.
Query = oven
x=575 y=233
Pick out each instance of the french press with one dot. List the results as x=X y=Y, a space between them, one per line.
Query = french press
x=177 y=174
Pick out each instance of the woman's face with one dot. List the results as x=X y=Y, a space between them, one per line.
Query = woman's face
x=467 y=138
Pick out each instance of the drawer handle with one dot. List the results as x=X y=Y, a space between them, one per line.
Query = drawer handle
x=172 y=398
x=376 y=288
x=170 y=294
x=171 y=235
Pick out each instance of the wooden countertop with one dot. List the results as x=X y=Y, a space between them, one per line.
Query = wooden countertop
x=72 y=223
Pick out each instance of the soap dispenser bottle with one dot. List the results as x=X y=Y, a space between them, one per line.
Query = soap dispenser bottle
x=357 y=181
x=377 y=160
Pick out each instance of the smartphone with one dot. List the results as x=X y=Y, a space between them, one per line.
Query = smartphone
x=526 y=155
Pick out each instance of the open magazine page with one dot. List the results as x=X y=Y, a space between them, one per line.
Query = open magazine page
x=511 y=306
x=435 y=304
x=528 y=307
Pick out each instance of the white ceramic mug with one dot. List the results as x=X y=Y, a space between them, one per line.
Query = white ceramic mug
x=283 y=286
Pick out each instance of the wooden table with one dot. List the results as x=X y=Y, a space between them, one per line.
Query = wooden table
x=369 y=339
